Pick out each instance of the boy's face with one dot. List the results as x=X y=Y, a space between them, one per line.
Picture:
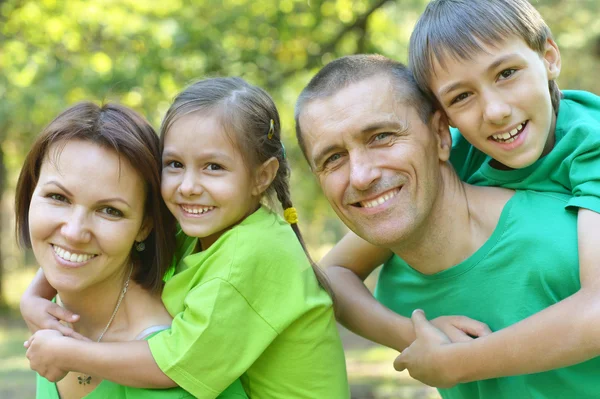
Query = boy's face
x=500 y=101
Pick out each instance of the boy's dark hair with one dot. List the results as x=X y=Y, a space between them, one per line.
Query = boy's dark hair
x=459 y=28
x=351 y=69
x=119 y=129
x=245 y=112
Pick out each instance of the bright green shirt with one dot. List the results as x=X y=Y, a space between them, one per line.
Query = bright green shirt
x=571 y=167
x=529 y=263
x=108 y=389
x=250 y=307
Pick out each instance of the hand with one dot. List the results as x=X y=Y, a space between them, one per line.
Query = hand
x=424 y=358
x=42 y=314
x=461 y=328
x=43 y=349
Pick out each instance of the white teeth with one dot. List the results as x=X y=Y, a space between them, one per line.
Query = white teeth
x=508 y=137
x=198 y=210
x=379 y=200
x=71 y=257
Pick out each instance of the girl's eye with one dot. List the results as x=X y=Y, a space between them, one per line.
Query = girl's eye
x=57 y=197
x=114 y=212
x=507 y=73
x=214 y=166
x=174 y=164
x=460 y=97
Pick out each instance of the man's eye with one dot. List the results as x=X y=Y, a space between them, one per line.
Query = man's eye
x=381 y=136
x=507 y=73
x=109 y=210
x=332 y=158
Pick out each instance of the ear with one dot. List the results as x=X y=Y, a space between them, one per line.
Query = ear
x=552 y=59
x=441 y=130
x=264 y=176
x=145 y=229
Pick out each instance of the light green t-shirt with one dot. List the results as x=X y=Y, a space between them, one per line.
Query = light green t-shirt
x=571 y=167
x=528 y=264
x=108 y=389
x=250 y=307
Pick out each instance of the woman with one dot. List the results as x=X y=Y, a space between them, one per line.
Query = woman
x=88 y=204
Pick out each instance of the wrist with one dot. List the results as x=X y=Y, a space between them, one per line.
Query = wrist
x=455 y=363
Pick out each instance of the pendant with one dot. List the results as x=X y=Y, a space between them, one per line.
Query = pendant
x=84 y=379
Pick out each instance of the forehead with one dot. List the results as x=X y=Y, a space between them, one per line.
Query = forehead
x=341 y=117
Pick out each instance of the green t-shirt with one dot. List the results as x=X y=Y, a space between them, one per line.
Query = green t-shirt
x=250 y=307
x=528 y=264
x=572 y=167
x=108 y=389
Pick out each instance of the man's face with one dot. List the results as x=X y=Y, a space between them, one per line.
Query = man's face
x=377 y=162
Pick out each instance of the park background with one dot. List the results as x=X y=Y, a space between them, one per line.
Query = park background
x=140 y=53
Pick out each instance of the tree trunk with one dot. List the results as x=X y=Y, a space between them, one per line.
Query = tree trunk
x=2 y=186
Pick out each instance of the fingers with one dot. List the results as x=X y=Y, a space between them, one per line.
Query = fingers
x=399 y=362
x=457 y=335
x=420 y=322
x=62 y=313
x=78 y=336
x=472 y=327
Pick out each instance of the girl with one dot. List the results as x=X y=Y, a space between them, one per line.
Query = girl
x=101 y=235
x=245 y=299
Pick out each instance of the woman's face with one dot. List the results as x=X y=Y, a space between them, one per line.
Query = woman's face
x=85 y=214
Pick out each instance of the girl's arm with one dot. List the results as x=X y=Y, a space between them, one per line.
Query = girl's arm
x=39 y=312
x=126 y=363
x=347 y=265
x=563 y=334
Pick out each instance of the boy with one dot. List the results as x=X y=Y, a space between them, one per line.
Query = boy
x=491 y=67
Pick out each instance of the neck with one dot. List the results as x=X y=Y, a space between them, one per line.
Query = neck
x=462 y=218
x=96 y=304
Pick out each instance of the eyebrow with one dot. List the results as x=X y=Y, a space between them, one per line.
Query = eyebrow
x=370 y=128
x=490 y=68
x=105 y=200
x=209 y=155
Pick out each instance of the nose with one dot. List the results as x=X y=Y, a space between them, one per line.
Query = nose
x=75 y=228
x=496 y=109
x=189 y=186
x=363 y=171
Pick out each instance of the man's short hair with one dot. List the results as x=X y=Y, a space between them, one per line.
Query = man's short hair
x=351 y=69
x=459 y=28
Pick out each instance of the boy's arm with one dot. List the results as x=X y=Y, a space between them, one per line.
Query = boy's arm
x=40 y=313
x=360 y=312
x=126 y=363
x=563 y=334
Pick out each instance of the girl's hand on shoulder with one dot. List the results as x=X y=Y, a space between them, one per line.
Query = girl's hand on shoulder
x=43 y=351
x=42 y=314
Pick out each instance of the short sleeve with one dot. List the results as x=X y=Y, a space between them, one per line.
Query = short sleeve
x=584 y=174
x=213 y=341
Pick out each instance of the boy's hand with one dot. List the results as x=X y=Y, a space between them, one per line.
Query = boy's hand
x=424 y=358
x=42 y=314
x=43 y=349
x=461 y=328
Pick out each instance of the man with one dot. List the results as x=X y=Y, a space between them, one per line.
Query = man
x=381 y=155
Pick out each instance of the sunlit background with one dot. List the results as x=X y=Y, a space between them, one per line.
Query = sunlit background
x=142 y=52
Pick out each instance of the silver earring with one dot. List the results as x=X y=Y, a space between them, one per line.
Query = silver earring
x=140 y=246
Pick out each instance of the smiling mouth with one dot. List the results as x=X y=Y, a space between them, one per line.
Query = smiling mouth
x=72 y=256
x=509 y=137
x=196 y=209
x=378 y=200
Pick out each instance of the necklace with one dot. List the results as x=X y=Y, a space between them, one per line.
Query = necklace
x=85 y=379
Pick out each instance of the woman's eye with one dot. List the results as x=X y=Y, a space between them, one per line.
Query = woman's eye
x=214 y=166
x=507 y=73
x=460 y=97
x=109 y=210
x=174 y=164
x=57 y=197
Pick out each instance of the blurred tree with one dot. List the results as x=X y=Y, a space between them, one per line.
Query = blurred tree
x=142 y=52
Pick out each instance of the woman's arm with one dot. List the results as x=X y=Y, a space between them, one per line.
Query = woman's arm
x=563 y=334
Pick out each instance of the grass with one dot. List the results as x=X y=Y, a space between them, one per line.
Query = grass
x=370 y=370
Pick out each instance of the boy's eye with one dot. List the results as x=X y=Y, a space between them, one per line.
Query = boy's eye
x=109 y=210
x=507 y=73
x=460 y=97
x=214 y=166
x=57 y=197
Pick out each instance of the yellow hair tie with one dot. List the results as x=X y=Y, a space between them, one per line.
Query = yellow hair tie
x=271 y=130
x=291 y=215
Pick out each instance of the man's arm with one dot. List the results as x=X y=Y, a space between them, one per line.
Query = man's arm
x=563 y=334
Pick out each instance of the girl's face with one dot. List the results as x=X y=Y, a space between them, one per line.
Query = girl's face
x=86 y=211
x=205 y=182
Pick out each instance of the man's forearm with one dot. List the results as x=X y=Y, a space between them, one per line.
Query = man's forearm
x=361 y=313
x=561 y=335
x=125 y=363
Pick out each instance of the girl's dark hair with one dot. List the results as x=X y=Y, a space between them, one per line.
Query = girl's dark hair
x=123 y=131
x=245 y=112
